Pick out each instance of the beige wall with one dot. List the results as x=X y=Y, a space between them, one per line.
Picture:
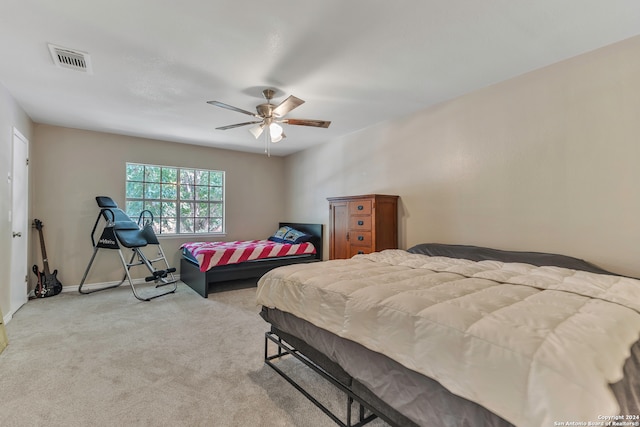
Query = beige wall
x=70 y=167
x=11 y=116
x=548 y=161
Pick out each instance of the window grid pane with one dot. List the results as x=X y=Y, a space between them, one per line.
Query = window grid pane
x=182 y=200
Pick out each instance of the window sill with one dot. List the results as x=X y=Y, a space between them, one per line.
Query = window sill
x=200 y=236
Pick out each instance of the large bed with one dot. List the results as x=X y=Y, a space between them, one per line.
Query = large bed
x=206 y=279
x=449 y=335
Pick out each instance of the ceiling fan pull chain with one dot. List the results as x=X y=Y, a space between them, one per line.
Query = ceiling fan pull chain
x=267 y=148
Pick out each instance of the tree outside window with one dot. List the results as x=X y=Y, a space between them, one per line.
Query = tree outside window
x=182 y=200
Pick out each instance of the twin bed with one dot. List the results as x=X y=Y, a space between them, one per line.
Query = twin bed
x=446 y=335
x=203 y=268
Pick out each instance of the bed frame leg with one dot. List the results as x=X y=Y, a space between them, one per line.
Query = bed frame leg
x=284 y=349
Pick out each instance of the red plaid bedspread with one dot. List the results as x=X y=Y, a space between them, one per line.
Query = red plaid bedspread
x=211 y=254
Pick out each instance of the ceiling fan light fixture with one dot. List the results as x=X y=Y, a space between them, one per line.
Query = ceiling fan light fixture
x=256 y=130
x=276 y=132
x=277 y=139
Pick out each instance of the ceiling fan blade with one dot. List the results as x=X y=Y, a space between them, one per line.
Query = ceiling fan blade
x=305 y=122
x=232 y=108
x=287 y=105
x=237 y=125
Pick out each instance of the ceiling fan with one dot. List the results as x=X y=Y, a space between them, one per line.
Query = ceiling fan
x=271 y=116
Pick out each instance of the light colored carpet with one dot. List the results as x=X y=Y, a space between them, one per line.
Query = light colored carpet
x=107 y=359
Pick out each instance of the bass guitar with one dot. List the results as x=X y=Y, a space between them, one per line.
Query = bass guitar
x=48 y=284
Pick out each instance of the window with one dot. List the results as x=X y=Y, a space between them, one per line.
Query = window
x=182 y=200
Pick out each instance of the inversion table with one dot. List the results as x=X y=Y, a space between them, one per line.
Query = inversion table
x=121 y=230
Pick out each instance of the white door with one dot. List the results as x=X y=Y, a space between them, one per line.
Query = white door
x=19 y=222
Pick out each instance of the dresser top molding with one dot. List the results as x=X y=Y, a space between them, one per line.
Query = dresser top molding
x=364 y=196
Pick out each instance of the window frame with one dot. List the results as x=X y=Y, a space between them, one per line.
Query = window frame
x=175 y=197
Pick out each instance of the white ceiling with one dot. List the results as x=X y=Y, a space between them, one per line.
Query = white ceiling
x=354 y=62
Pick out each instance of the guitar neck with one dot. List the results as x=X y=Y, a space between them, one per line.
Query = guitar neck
x=45 y=260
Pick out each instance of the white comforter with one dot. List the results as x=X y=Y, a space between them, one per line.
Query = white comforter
x=535 y=345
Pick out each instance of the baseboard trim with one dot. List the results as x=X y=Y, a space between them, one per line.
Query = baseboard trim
x=7 y=317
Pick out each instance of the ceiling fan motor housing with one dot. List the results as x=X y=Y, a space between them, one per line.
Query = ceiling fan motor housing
x=265 y=110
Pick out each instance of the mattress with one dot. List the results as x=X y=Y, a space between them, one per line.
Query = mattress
x=212 y=254
x=538 y=331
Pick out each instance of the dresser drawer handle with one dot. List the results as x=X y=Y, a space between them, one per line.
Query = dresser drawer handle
x=360 y=252
x=360 y=207
x=361 y=238
x=360 y=222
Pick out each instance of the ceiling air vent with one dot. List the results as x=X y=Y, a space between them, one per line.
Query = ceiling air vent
x=71 y=59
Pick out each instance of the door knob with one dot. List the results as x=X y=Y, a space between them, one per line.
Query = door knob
x=18 y=234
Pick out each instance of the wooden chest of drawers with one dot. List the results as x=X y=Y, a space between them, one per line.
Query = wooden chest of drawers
x=362 y=224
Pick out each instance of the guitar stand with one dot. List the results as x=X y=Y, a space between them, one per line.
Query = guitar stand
x=121 y=230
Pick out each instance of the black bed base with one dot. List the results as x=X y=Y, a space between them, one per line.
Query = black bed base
x=283 y=349
x=205 y=282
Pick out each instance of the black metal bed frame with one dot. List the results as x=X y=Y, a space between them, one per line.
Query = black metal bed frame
x=284 y=349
